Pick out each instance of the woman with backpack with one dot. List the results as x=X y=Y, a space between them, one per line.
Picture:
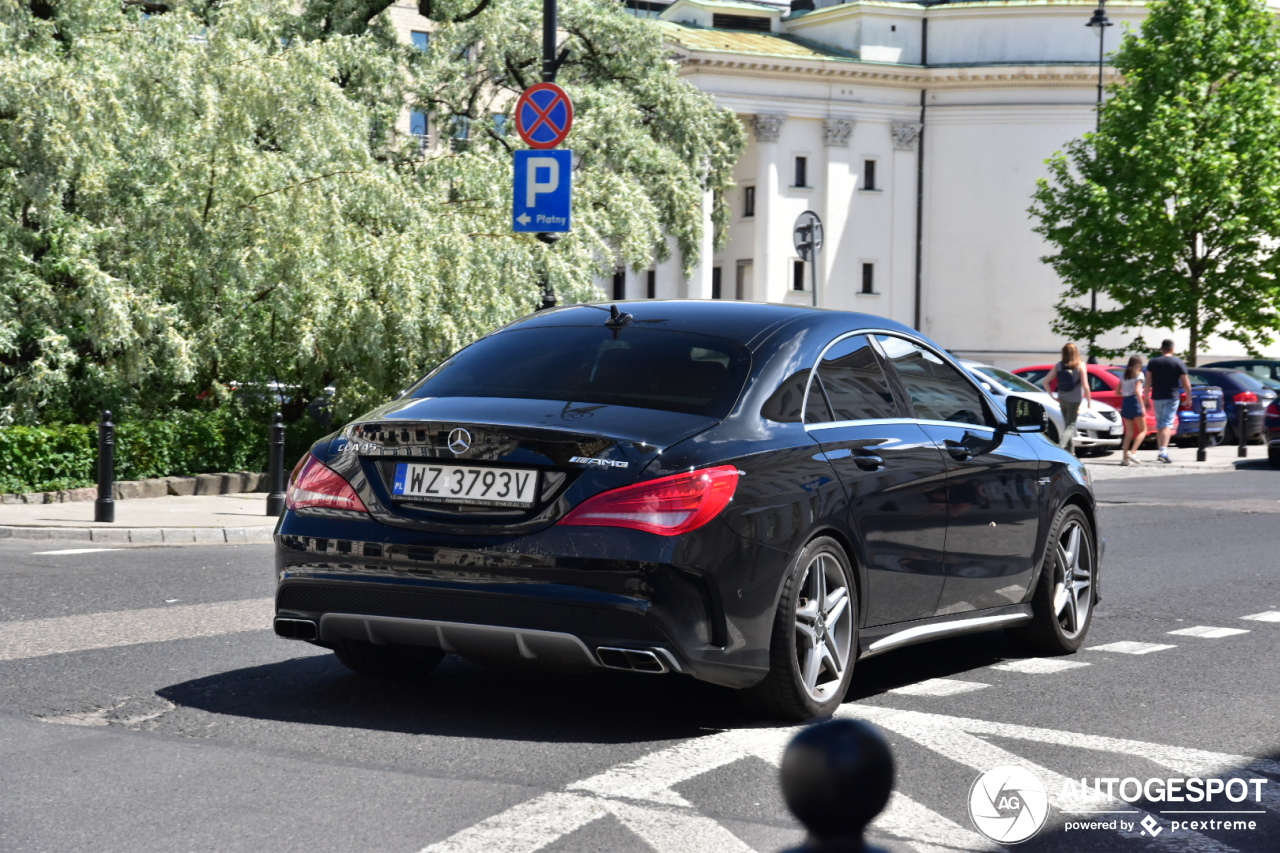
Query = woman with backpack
x=1069 y=379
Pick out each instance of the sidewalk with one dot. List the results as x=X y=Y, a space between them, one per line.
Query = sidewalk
x=150 y=521
x=1217 y=460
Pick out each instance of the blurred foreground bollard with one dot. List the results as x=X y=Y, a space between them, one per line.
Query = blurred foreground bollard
x=1203 y=439
x=836 y=777
x=275 y=467
x=1242 y=415
x=104 y=508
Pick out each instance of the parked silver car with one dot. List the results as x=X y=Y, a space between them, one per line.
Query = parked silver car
x=1098 y=428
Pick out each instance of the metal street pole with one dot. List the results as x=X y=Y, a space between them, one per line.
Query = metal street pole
x=549 y=26
x=1098 y=23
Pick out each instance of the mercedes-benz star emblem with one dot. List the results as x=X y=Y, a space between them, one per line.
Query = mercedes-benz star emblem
x=459 y=441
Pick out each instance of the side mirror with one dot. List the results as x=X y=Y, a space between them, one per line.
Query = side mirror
x=1024 y=415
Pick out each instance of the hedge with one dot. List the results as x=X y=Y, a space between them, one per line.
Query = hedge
x=39 y=459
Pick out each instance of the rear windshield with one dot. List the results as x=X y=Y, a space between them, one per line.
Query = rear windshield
x=639 y=367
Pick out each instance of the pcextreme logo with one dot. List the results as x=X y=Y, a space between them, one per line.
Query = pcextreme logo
x=1008 y=804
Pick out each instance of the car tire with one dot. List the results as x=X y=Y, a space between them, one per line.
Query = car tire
x=1065 y=595
x=1051 y=432
x=393 y=662
x=815 y=638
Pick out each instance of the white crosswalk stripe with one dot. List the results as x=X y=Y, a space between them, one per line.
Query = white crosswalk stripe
x=939 y=687
x=1265 y=616
x=1208 y=632
x=63 y=634
x=1129 y=647
x=74 y=551
x=1039 y=666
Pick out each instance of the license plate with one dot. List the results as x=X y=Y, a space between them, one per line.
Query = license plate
x=1209 y=405
x=466 y=484
x=1118 y=429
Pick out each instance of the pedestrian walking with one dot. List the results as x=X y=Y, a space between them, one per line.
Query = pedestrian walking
x=1165 y=373
x=1069 y=379
x=1133 y=409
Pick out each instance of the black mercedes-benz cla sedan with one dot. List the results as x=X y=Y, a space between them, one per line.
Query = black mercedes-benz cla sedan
x=754 y=495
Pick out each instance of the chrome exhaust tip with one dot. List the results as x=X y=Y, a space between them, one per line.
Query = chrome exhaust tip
x=297 y=629
x=632 y=660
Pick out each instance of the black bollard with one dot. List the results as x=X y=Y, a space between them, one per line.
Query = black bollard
x=1203 y=439
x=275 y=467
x=836 y=777
x=104 y=508
x=1242 y=416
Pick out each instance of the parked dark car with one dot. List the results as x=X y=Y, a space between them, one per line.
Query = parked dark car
x=1271 y=425
x=753 y=495
x=1239 y=390
x=1265 y=370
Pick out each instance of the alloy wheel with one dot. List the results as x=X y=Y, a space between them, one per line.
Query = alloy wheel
x=1073 y=587
x=824 y=627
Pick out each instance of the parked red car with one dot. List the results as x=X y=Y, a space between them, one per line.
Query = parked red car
x=1104 y=385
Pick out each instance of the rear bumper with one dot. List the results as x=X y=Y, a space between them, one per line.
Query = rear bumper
x=536 y=598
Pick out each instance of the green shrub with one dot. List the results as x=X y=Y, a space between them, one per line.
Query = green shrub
x=38 y=459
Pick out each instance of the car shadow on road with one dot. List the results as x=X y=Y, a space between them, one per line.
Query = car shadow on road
x=465 y=699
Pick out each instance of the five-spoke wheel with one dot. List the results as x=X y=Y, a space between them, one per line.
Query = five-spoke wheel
x=1062 y=604
x=815 y=636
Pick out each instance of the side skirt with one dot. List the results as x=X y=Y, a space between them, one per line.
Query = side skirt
x=884 y=638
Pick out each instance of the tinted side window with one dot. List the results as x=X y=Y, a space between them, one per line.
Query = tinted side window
x=937 y=390
x=784 y=404
x=1097 y=383
x=855 y=385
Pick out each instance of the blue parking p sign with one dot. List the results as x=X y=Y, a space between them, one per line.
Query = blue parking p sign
x=543 y=190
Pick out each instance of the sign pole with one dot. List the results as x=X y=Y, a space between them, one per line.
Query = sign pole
x=813 y=276
x=549 y=41
x=807 y=236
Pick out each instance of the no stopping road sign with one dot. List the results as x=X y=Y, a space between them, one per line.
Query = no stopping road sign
x=544 y=115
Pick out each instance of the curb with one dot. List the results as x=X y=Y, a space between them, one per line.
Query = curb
x=143 y=535
x=237 y=482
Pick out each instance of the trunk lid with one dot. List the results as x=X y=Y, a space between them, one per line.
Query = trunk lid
x=497 y=466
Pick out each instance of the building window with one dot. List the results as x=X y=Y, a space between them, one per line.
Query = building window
x=420 y=39
x=868 y=278
x=869 y=175
x=418 y=128
x=461 y=132
x=797 y=275
x=500 y=123
x=651 y=284
x=715 y=282
x=802 y=172
x=620 y=283
x=748 y=201
x=740 y=282
x=741 y=22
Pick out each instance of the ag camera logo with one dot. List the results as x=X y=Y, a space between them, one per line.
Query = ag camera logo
x=1008 y=804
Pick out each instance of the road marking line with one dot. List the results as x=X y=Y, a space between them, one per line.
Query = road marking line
x=941 y=735
x=1039 y=666
x=63 y=634
x=1265 y=616
x=1129 y=647
x=75 y=551
x=939 y=687
x=1208 y=632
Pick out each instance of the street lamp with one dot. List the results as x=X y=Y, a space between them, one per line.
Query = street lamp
x=1098 y=23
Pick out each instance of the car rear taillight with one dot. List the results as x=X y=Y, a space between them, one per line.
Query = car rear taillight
x=1273 y=411
x=318 y=485
x=668 y=506
x=1246 y=397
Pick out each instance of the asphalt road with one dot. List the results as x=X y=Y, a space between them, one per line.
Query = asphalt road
x=144 y=705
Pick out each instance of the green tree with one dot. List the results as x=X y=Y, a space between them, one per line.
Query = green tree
x=199 y=191
x=1171 y=212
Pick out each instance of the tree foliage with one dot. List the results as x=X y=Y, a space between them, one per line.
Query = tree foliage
x=1172 y=211
x=196 y=192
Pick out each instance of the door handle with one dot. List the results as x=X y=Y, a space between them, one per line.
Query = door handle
x=868 y=461
x=958 y=451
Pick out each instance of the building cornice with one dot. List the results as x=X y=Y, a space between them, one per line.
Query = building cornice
x=1012 y=76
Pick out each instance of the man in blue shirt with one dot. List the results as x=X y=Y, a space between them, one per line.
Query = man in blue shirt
x=1164 y=373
